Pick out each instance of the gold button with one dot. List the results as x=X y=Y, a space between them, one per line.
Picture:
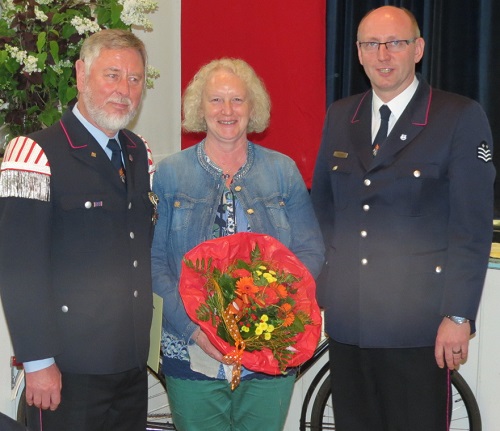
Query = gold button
x=416 y=173
x=335 y=168
x=177 y=204
x=250 y=211
x=237 y=189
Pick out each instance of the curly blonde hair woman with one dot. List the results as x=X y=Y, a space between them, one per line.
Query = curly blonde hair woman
x=223 y=185
x=194 y=120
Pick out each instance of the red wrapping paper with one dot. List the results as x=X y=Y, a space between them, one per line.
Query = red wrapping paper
x=224 y=251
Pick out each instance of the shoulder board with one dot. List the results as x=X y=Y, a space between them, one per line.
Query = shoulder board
x=24 y=154
x=151 y=162
x=25 y=171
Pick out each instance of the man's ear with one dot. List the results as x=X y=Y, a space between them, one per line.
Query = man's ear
x=80 y=74
x=360 y=57
x=419 y=49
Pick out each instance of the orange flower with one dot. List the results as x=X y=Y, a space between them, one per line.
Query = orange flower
x=280 y=290
x=246 y=288
x=285 y=313
x=285 y=308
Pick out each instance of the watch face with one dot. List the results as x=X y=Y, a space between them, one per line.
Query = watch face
x=458 y=320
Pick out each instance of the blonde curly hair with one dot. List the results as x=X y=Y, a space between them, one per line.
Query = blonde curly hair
x=260 y=103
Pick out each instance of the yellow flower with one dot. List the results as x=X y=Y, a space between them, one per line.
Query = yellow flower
x=264 y=318
x=272 y=272
x=259 y=273
x=263 y=325
x=262 y=267
x=269 y=278
x=267 y=336
x=258 y=330
x=270 y=328
x=245 y=328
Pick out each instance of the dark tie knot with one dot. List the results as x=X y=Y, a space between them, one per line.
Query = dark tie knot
x=114 y=146
x=116 y=153
x=385 y=112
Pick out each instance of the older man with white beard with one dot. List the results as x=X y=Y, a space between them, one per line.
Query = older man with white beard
x=76 y=223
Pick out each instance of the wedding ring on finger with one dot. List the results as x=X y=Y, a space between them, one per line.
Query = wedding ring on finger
x=459 y=352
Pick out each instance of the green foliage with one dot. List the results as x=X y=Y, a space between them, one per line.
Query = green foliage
x=39 y=44
x=203 y=312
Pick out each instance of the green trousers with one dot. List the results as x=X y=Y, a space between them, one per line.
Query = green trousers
x=207 y=405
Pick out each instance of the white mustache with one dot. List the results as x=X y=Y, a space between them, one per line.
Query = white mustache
x=121 y=100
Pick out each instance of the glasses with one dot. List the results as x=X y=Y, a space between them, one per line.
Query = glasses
x=390 y=45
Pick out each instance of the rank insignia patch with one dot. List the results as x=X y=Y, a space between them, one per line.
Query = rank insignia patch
x=484 y=152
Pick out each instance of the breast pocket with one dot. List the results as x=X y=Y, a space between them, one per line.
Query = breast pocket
x=276 y=207
x=182 y=212
x=340 y=178
x=187 y=217
x=419 y=190
x=89 y=221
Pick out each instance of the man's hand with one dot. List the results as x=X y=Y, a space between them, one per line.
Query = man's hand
x=452 y=344
x=43 y=388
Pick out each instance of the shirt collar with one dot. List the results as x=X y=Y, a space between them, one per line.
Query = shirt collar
x=399 y=103
x=98 y=134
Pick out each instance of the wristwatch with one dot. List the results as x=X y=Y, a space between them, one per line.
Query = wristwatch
x=458 y=320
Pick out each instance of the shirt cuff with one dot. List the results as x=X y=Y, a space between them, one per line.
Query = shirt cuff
x=41 y=364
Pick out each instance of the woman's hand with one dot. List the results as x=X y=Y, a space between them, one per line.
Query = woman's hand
x=200 y=338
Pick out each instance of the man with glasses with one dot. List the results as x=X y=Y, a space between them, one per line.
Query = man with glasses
x=403 y=190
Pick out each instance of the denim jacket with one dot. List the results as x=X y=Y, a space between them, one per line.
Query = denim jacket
x=271 y=192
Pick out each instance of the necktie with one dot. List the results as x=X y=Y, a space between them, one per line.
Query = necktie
x=385 y=113
x=116 y=157
x=116 y=153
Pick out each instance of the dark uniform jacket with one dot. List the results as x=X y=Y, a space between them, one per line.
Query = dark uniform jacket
x=407 y=232
x=75 y=250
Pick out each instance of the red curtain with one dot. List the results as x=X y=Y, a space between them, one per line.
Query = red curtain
x=284 y=41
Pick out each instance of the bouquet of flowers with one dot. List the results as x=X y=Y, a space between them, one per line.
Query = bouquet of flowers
x=255 y=301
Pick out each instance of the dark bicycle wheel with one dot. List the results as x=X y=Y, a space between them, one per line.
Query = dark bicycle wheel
x=322 y=411
x=159 y=416
x=463 y=399
x=465 y=415
x=21 y=408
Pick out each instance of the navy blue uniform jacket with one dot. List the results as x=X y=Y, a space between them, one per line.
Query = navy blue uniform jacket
x=75 y=250
x=408 y=232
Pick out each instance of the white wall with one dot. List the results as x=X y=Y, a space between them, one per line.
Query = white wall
x=486 y=372
x=159 y=120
